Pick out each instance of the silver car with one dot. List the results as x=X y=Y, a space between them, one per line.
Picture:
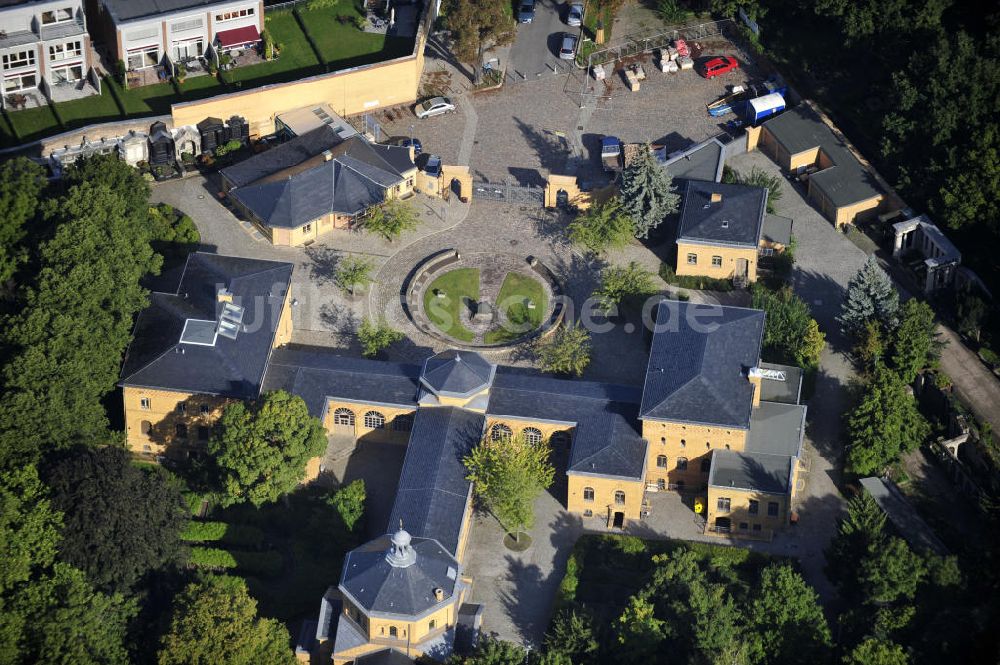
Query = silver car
x=434 y=106
x=567 y=50
x=574 y=17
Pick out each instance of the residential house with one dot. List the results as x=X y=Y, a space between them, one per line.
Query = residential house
x=44 y=52
x=296 y=192
x=147 y=33
x=838 y=184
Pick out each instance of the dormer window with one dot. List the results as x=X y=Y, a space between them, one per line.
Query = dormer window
x=725 y=223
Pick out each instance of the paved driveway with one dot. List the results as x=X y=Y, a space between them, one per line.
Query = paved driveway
x=536 y=50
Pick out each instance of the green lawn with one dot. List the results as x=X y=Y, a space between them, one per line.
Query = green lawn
x=297 y=59
x=343 y=44
x=33 y=123
x=457 y=285
x=516 y=292
x=99 y=108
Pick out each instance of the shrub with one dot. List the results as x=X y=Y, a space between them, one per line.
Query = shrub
x=375 y=337
x=360 y=22
x=570 y=581
x=212 y=558
x=989 y=357
x=203 y=531
x=631 y=545
x=671 y=11
x=693 y=282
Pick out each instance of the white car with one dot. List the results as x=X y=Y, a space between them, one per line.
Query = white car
x=567 y=49
x=574 y=17
x=434 y=106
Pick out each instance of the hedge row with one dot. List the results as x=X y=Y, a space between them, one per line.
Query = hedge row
x=694 y=282
x=212 y=557
x=203 y=531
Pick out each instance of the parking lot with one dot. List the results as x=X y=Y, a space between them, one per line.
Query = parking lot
x=552 y=122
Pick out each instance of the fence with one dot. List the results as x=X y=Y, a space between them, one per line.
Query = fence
x=507 y=192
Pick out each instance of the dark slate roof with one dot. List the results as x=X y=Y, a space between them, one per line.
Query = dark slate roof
x=904 y=516
x=457 y=373
x=348 y=636
x=384 y=657
x=736 y=220
x=127 y=10
x=777 y=229
x=606 y=442
x=698 y=363
x=379 y=587
x=232 y=367
x=702 y=161
x=433 y=491
x=316 y=375
x=787 y=391
x=777 y=429
x=279 y=158
x=340 y=186
x=799 y=129
x=751 y=471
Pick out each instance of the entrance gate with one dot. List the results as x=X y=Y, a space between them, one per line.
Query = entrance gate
x=507 y=192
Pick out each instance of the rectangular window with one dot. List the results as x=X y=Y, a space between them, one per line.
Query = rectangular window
x=767 y=251
x=205 y=409
x=432 y=624
x=144 y=57
x=63 y=51
x=189 y=24
x=588 y=513
x=754 y=507
x=57 y=16
x=19 y=59
x=744 y=526
x=239 y=13
x=682 y=463
x=716 y=261
x=145 y=404
x=722 y=505
x=692 y=259
x=67 y=74
x=588 y=493
x=772 y=508
x=756 y=527
x=307 y=228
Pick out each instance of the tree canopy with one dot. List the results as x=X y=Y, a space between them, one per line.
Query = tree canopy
x=476 y=26
x=508 y=474
x=567 y=351
x=21 y=184
x=261 y=449
x=622 y=285
x=376 y=337
x=647 y=194
x=602 y=227
x=349 y=502
x=352 y=272
x=390 y=219
x=913 y=341
x=786 y=618
x=791 y=335
x=120 y=521
x=870 y=296
x=215 y=622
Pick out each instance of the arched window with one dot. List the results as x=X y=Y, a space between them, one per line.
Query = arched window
x=588 y=493
x=432 y=624
x=619 y=498
x=146 y=427
x=393 y=632
x=683 y=443
x=663 y=440
x=682 y=463
x=532 y=435
x=343 y=416
x=403 y=422
x=374 y=420
x=661 y=461
x=500 y=432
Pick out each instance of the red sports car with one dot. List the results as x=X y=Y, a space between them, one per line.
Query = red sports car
x=719 y=66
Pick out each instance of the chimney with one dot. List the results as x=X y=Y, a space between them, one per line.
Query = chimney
x=327 y=155
x=438 y=594
x=224 y=295
x=716 y=197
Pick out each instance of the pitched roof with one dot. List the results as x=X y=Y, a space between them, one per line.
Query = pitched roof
x=209 y=363
x=698 y=363
x=127 y=10
x=433 y=490
x=457 y=373
x=757 y=472
x=734 y=220
x=606 y=439
x=702 y=161
x=384 y=657
x=317 y=375
x=382 y=588
x=281 y=157
x=799 y=129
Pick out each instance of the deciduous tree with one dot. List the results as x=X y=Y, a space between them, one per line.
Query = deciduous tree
x=566 y=352
x=647 y=194
x=349 y=502
x=477 y=26
x=602 y=227
x=624 y=285
x=352 y=272
x=21 y=184
x=376 y=337
x=639 y=632
x=261 y=449
x=885 y=424
x=491 y=651
x=120 y=521
x=215 y=621
x=871 y=296
x=390 y=219
x=572 y=635
x=790 y=333
x=508 y=474
x=786 y=619
x=877 y=652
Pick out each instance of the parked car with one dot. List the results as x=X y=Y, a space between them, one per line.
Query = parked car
x=567 y=50
x=434 y=106
x=611 y=153
x=526 y=11
x=574 y=17
x=719 y=66
x=406 y=142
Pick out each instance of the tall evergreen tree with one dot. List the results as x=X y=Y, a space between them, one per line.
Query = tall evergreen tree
x=647 y=194
x=787 y=620
x=21 y=183
x=870 y=296
x=885 y=424
x=68 y=340
x=913 y=345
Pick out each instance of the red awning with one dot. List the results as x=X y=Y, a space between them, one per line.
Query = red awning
x=238 y=36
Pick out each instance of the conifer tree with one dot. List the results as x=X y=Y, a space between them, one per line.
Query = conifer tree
x=647 y=194
x=870 y=295
x=885 y=424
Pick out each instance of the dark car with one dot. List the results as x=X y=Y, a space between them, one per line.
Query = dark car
x=526 y=11
x=406 y=142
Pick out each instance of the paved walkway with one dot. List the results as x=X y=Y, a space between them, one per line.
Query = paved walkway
x=974 y=383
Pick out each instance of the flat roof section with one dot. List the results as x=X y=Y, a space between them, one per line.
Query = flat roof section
x=777 y=429
x=788 y=390
x=128 y=10
x=753 y=472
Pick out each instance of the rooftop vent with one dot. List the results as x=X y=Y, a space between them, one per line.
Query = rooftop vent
x=716 y=197
x=438 y=594
x=725 y=223
x=224 y=295
x=327 y=155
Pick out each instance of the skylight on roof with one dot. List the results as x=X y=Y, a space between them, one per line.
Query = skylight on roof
x=199 y=332
x=228 y=329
